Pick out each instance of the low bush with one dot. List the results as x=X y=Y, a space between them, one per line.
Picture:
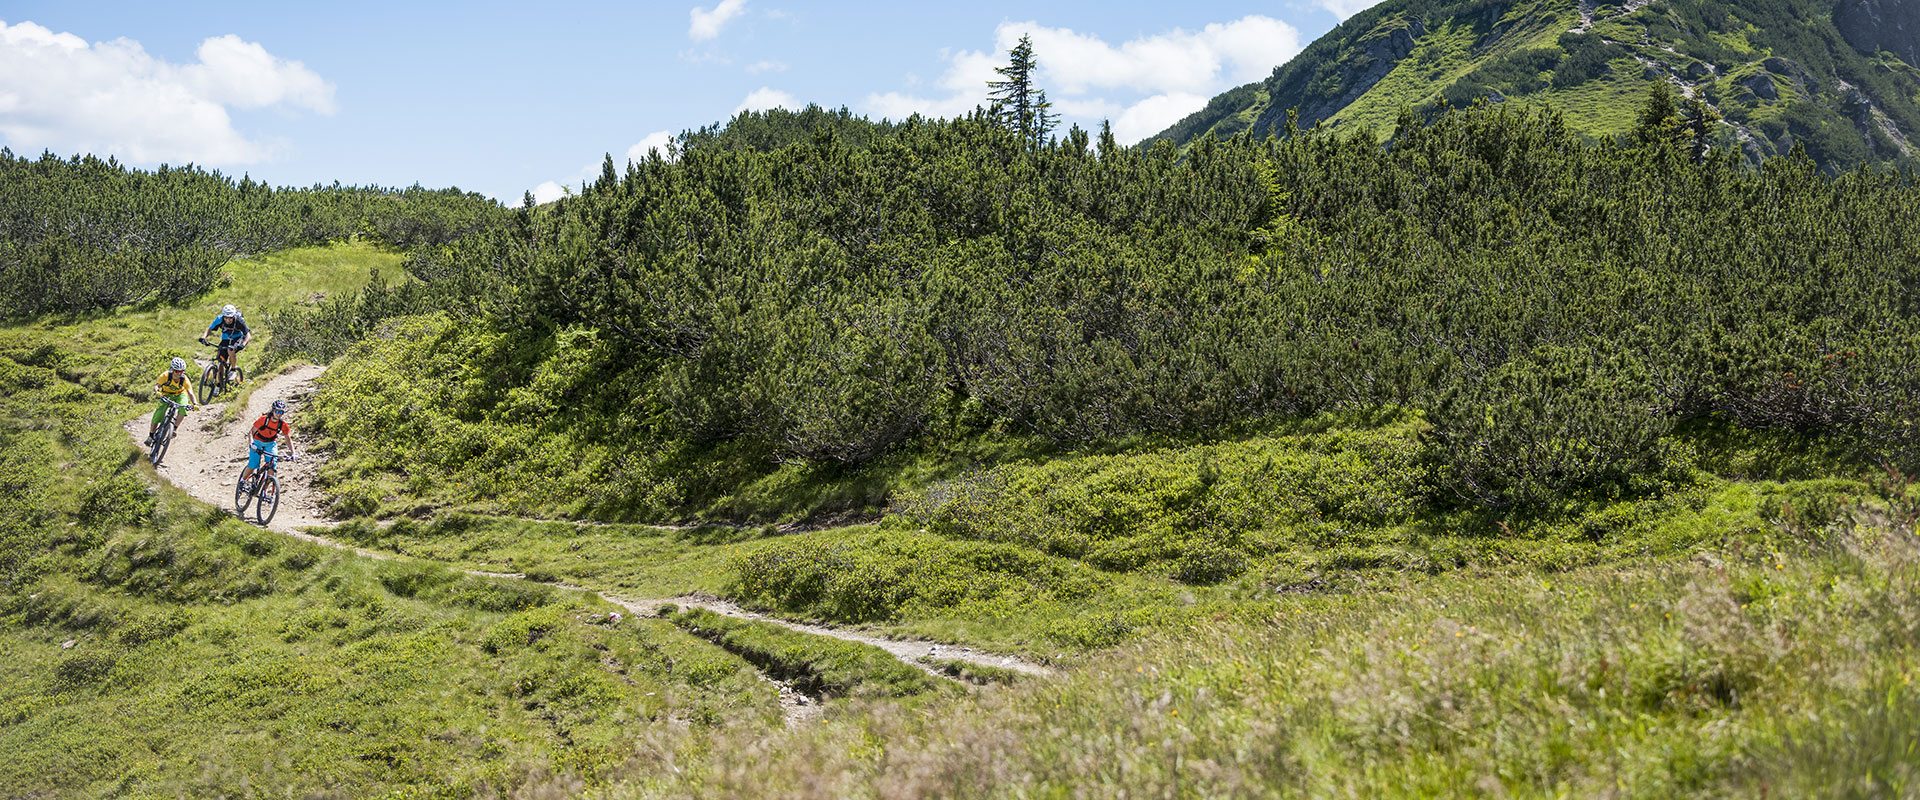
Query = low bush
x=883 y=575
x=1199 y=513
x=1550 y=426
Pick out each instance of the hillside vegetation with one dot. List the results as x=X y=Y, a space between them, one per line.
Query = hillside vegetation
x=1494 y=459
x=1840 y=79
x=1780 y=666
x=158 y=647
x=1075 y=396
x=758 y=334
x=87 y=235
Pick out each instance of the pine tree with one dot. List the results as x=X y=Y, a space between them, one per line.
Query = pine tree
x=1700 y=119
x=1017 y=104
x=1660 y=120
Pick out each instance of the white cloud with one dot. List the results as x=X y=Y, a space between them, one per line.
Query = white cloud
x=758 y=67
x=546 y=192
x=1142 y=84
x=766 y=97
x=658 y=140
x=707 y=23
x=1346 y=8
x=1155 y=114
x=549 y=191
x=244 y=74
x=61 y=92
x=965 y=83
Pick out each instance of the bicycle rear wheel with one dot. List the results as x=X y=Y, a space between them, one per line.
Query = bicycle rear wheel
x=162 y=436
x=268 y=499
x=241 y=497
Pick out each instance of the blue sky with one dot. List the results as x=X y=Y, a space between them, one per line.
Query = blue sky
x=504 y=97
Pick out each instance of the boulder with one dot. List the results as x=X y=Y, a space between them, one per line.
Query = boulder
x=1761 y=84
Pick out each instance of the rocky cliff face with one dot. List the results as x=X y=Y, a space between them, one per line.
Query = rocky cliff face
x=1874 y=25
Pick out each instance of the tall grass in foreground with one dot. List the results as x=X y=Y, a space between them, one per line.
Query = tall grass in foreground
x=1784 y=668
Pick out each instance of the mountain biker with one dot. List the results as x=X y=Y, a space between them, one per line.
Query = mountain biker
x=234 y=335
x=268 y=431
x=172 y=385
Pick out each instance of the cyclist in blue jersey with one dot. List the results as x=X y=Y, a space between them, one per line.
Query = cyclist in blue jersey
x=234 y=336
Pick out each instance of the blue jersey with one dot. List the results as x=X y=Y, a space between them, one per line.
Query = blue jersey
x=231 y=330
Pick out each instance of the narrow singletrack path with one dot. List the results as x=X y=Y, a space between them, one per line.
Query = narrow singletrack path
x=207 y=456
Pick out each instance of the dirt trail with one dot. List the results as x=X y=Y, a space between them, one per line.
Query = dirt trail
x=207 y=456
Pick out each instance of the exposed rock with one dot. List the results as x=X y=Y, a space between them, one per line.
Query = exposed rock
x=1382 y=49
x=1875 y=25
x=1761 y=84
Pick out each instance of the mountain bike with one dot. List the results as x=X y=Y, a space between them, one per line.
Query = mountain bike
x=163 y=435
x=214 y=380
x=263 y=492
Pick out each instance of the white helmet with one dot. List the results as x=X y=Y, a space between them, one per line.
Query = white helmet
x=179 y=364
x=229 y=311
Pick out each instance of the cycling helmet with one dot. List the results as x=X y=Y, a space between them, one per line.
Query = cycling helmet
x=279 y=406
x=229 y=311
x=179 y=364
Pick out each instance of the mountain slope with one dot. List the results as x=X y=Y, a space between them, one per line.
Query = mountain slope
x=1839 y=78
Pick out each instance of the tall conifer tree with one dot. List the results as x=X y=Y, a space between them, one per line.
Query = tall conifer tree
x=1017 y=103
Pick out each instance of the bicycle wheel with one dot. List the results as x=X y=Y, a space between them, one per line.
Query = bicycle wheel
x=162 y=436
x=241 y=497
x=208 y=387
x=269 y=499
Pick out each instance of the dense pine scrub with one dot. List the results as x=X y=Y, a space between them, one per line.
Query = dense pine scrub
x=810 y=307
x=84 y=234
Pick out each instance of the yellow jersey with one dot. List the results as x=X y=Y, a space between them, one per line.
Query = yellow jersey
x=170 y=385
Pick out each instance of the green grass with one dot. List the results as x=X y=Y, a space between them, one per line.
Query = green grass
x=124 y=351
x=817 y=665
x=1605 y=106
x=1061 y=557
x=891 y=580
x=158 y=647
x=977 y=674
x=1777 y=668
x=1439 y=58
x=381 y=690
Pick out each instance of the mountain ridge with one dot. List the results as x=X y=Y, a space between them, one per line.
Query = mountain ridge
x=1838 y=78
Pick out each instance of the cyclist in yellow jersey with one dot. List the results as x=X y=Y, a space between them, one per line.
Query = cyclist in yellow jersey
x=172 y=385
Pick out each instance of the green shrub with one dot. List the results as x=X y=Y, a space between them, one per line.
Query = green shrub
x=1554 y=424
x=1199 y=513
x=86 y=667
x=872 y=577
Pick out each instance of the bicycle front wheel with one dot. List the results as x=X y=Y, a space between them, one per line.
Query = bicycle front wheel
x=209 y=385
x=162 y=437
x=268 y=499
x=241 y=497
